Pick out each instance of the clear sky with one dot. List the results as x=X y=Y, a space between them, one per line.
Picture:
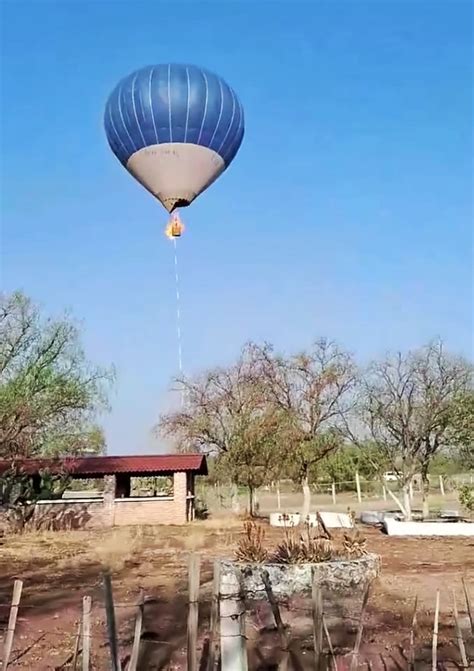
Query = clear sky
x=346 y=213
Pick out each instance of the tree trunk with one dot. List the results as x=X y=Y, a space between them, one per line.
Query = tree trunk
x=397 y=501
x=425 y=489
x=306 y=499
x=407 y=501
x=251 y=501
x=256 y=503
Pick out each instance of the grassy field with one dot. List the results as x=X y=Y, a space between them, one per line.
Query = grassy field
x=58 y=569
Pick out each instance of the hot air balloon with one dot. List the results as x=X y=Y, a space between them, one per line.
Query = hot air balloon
x=175 y=128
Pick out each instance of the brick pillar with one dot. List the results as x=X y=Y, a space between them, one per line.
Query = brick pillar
x=179 y=495
x=110 y=486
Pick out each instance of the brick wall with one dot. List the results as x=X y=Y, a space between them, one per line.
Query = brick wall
x=71 y=515
x=118 y=512
x=151 y=511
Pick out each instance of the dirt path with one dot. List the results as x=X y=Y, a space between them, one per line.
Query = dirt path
x=59 y=569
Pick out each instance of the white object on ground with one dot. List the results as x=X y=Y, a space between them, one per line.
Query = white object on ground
x=330 y=519
x=284 y=519
x=375 y=517
x=395 y=528
x=333 y=520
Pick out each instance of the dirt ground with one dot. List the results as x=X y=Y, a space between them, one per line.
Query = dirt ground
x=58 y=569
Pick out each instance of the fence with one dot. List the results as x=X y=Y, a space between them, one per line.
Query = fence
x=287 y=497
x=225 y=644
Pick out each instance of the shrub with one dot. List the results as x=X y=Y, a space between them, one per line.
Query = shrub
x=201 y=511
x=300 y=548
x=250 y=547
x=354 y=544
x=466 y=497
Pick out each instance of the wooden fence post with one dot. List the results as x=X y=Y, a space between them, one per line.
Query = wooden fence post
x=331 y=647
x=360 y=630
x=441 y=485
x=359 y=493
x=211 y=662
x=75 y=654
x=17 y=589
x=317 y=602
x=194 y=572
x=132 y=666
x=86 y=632
x=111 y=624
x=232 y=623
x=284 y=640
x=434 y=646
x=462 y=649
x=333 y=492
x=468 y=604
x=411 y=660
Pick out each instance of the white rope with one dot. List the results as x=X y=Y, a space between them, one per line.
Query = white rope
x=178 y=308
x=178 y=317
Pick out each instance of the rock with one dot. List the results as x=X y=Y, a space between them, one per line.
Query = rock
x=290 y=579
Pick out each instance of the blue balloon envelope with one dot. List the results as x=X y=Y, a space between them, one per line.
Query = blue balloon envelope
x=175 y=128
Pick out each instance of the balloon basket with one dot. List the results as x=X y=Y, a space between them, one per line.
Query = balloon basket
x=175 y=227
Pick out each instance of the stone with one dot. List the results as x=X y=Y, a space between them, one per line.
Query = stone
x=340 y=575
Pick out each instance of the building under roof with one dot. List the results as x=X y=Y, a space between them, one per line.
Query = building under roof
x=115 y=504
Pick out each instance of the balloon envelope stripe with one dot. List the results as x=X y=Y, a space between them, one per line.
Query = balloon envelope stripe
x=188 y=84
x=135 y=109
x=152 y=70
x=205 y=108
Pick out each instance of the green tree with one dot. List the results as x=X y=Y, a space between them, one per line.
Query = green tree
x=19 y=493
x=462 y=431
x=49 y=393
x=256 y=455
x=342 y=465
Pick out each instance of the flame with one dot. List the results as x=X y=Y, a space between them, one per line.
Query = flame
x=175 y=227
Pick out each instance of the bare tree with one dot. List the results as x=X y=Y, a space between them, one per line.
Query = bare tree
x=216 y=403
x=313 y=390
x=227 y=413
x=407 y=407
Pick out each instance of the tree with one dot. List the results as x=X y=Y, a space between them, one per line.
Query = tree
x=313 y=391
x=256 y=455
x=19 y=493
x=462 y=437
x=342 y=465
x=49 y=393
x=227 y=414
x=407 y=406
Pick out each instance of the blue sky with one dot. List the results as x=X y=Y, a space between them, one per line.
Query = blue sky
x=346 y=213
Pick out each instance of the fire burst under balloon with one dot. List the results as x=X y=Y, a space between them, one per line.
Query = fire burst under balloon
x=175 y=128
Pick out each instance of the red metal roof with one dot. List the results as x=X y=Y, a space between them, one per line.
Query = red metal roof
x=98 y=466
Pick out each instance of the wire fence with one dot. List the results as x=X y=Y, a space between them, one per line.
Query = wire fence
x=227 y=628
x=356 y=492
